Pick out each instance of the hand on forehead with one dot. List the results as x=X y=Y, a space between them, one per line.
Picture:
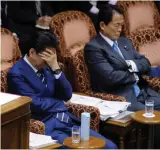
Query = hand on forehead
x=50 y=50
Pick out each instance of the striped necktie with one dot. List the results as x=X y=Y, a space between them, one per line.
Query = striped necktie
x=135 y=85
x=115 y=47
x=63 y=117
x=40 y=74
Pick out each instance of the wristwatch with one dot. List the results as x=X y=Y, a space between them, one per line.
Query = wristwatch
x=57 y=71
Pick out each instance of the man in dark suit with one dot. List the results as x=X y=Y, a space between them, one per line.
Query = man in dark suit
x=39 y=76
x=22 y=17
x=115 y=63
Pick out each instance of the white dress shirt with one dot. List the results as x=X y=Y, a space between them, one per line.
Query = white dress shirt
x=57 y=76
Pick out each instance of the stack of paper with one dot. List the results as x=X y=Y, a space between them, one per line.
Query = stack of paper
x=85 y=100
x=123 y=117
x=6 y=98
x=38 y=140
x=107 y=108
x=106 y=112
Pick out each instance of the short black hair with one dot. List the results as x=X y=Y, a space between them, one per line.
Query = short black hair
x=106 y=14
x=40 y=40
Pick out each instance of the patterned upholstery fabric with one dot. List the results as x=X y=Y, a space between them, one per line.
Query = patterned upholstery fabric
x=72 y=27
x=138 y=14
x=4 y=80
x=9 y=47
x=37 y=126
x=147 y=42
x=77 y=109
x=154 y=83
x=10 y=53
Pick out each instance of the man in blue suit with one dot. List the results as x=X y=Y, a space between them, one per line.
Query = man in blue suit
x=39 y=76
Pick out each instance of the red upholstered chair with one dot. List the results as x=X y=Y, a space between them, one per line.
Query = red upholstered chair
x=142 y=26
x=138 y=14
x=147 y=42
x=74 y=29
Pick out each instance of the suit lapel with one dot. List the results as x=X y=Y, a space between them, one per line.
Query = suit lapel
x=29 y=73
x=110 y=50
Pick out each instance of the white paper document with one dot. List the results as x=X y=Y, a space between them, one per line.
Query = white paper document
x=6 y=98
x=123 y=117
x=85 y=100
x=39 y=140
x=107 y=108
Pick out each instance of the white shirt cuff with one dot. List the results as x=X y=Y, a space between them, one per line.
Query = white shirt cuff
x=57 y=76
x=94 y=10
x=42 y=27
x=133 y=66
x=136 y=77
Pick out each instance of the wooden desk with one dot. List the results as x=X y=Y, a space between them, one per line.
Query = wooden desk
x=111 y=127
x=15 y=117
x=93 y=143
x=138 y=117
x=54 y=146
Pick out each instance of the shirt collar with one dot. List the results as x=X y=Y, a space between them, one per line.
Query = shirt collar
x=109 y=41
x=27 y=61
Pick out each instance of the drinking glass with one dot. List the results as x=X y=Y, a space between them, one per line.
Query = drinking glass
x=75 y=134
x=149 y=108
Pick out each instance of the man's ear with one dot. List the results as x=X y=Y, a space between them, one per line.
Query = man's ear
x=102 y=25
x=31 y=51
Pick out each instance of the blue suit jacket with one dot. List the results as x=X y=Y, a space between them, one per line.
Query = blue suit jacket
x=46 y=101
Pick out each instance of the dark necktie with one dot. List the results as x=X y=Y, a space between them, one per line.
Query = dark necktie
x=40 y=74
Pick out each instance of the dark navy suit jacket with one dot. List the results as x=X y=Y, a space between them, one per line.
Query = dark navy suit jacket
x=46 y=101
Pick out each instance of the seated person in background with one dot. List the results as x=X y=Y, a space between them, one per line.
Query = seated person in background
x=39 y=76
x=115 y=63
x=23 y=16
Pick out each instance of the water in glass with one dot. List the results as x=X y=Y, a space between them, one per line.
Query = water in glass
x=149 y=106
x=75 y=134
x=75 y=137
